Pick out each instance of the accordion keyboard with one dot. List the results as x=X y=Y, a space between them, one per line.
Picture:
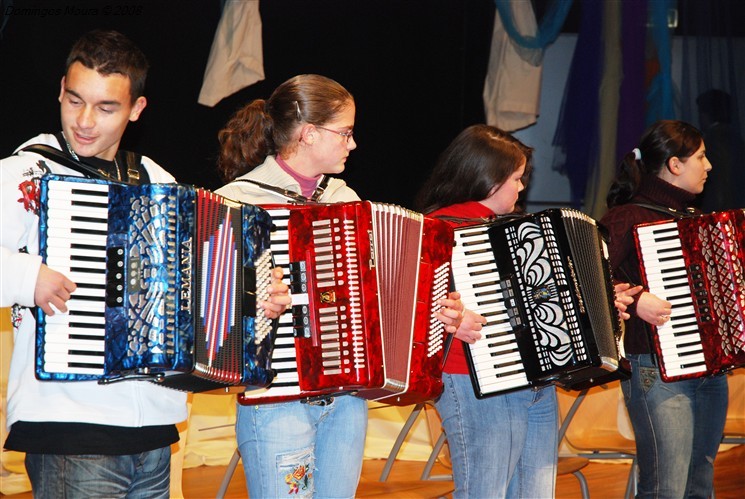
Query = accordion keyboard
x=496 y=358
x=76 y=247
x=667 y=277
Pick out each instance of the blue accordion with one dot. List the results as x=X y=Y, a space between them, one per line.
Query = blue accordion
x=169 y=283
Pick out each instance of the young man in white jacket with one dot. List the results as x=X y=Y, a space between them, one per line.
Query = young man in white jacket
x=81 y=439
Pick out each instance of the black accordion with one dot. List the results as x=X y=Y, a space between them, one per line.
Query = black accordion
x=543 y=282
x=169 y=279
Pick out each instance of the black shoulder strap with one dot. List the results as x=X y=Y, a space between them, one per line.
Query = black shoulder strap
x=478 y=220
x=136 y=174
x=667 y=211
x=58 y=156
x=289 y=195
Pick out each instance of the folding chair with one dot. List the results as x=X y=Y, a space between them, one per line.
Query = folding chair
x=593 y=433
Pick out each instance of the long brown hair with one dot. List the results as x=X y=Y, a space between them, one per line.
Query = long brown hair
x=478 y=159
x=267 y=127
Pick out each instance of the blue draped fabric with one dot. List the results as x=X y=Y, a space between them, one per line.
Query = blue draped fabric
x=660 y=91
x=577 y=127
x=548 y=28
x=631 y=110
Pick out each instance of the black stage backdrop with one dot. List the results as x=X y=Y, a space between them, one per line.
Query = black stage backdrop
x=415 y=67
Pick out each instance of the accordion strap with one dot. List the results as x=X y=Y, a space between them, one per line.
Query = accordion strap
x=667 y=211
x=58 y=156
x=477 y=220
x=290 y=195
x=131 y=160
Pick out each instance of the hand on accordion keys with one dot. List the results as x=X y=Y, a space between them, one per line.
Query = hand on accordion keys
x=653 y=309
x=470 y=328
x=279 y=296
x=624 y=297
x=452 y=312
x=52 y=290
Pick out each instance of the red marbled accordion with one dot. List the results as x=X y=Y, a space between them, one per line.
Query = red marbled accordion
x=698 y=264
x=365 y=278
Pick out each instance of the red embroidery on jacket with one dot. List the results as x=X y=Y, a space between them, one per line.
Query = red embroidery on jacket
x=29 y=195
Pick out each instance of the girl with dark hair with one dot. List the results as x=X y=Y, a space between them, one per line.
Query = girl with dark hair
x=280 y=151
x=505 y=445
x=677 y=425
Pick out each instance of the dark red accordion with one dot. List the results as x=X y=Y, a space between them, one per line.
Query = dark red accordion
x=697 y=264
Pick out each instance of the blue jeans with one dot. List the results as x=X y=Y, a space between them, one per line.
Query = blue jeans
x=293 y=449
x=678 y=427
x=500 y=446
x=139 y=476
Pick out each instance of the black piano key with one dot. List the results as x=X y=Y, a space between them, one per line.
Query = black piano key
x=84 y=365
x=95 y=220
x=83 y=270
x=84 y=258
x=89 y=298
x=91 y=353
x=673 y=286
x=87 y=313
x=73 y=336
x=85 y=325
x=89 y=285
x=693 y=364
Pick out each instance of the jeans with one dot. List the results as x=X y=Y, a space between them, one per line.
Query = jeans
x=677 y=426
x=303 y=450
x=139 y=476
x=501 y=446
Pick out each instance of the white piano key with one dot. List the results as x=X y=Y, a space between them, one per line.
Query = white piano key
x=64 y=348
x=61 y=333
x=73 y=227
x=685 y=371
x=69 y=204
x=69 y=186
x=61 y=233
x=68 y=263
x=58 y=357
x=64 y=368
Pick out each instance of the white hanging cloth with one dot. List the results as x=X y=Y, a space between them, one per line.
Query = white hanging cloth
x=236 y=59
x=512 y=90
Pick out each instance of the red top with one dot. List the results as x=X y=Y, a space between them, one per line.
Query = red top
x=473 y=212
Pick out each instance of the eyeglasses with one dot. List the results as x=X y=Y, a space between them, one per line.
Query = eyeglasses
x=347 y=135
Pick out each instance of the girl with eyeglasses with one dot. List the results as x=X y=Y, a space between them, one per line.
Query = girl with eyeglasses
x=273 y=151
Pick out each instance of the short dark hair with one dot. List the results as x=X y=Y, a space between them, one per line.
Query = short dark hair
x=109 y=52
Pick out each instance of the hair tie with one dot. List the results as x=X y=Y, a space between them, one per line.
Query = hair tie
x=637 y=154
